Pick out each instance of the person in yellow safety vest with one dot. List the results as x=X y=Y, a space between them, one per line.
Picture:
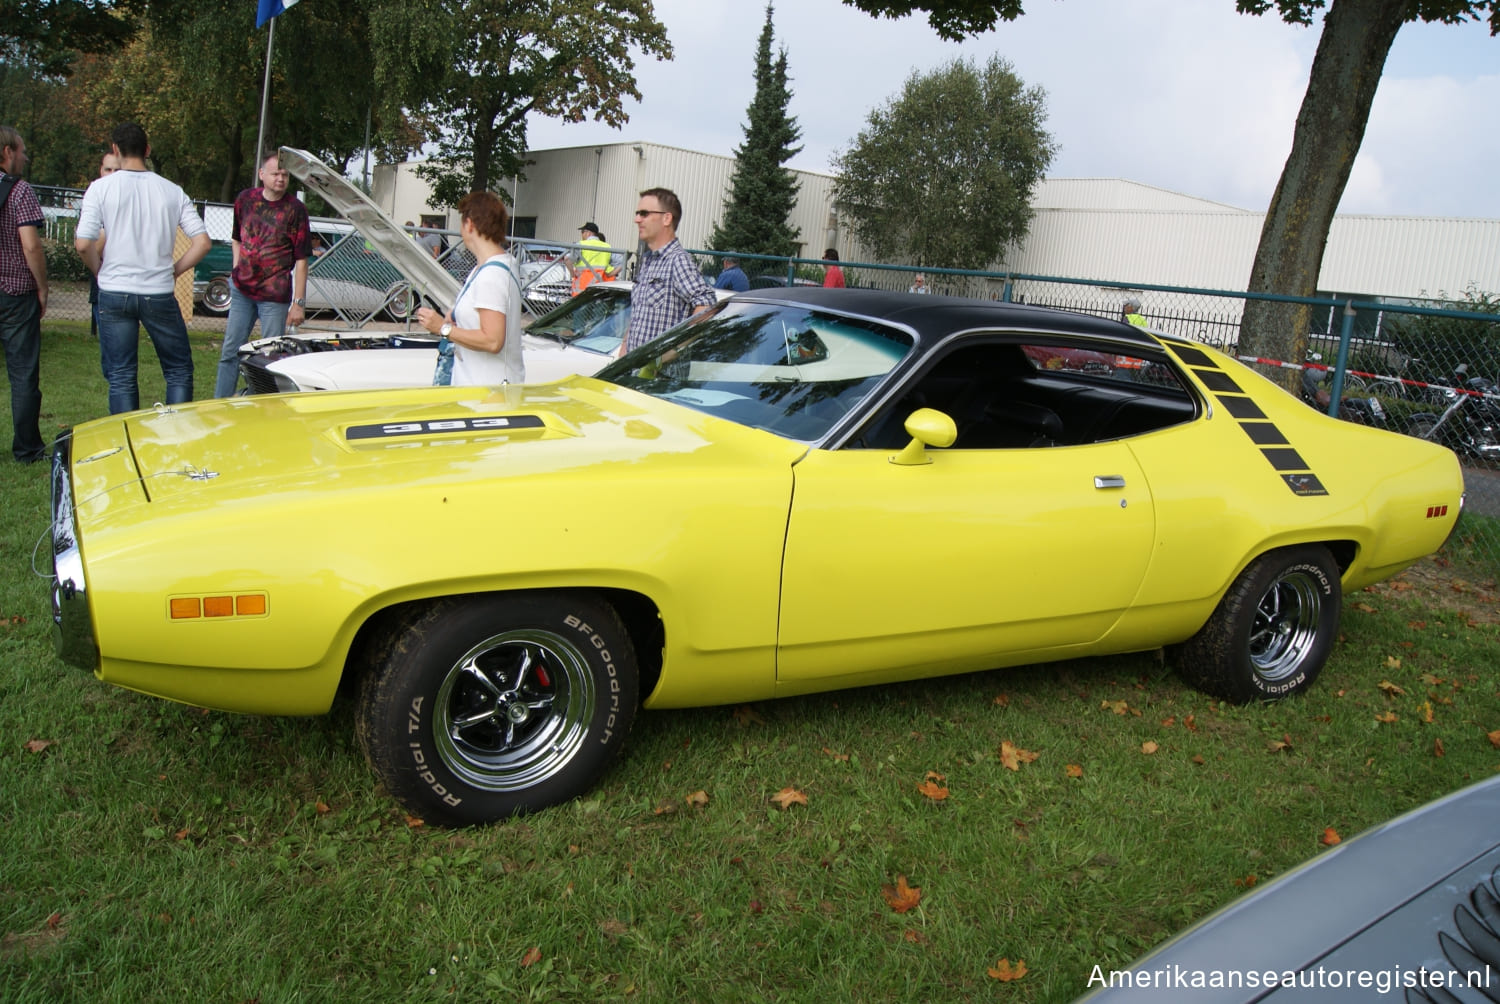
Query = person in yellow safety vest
x=590 y=264
x=1130 y=310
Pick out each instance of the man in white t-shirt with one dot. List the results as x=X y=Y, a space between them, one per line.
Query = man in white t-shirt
x=141 y=211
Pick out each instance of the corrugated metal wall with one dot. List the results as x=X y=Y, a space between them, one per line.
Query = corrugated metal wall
x=1091 y=228
x=567 y=187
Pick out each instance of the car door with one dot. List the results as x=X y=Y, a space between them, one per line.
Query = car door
x=949 y=565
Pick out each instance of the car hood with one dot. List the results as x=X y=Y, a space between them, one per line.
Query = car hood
x=354 y=446
x=547 y=359
x=1395 y=905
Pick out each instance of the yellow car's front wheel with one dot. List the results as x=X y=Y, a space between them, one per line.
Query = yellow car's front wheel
x=483 y=707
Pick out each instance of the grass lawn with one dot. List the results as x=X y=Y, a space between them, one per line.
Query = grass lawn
x=155 y=852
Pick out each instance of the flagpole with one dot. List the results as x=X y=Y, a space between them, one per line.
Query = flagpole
x=265 y=98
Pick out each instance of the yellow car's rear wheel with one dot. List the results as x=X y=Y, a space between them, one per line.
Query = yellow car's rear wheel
x=484 y=707
x=1271 y=633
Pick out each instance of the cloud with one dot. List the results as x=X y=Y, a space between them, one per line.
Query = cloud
x=1193 y=97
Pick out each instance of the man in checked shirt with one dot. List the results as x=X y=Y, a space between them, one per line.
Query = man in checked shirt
x=668 y=286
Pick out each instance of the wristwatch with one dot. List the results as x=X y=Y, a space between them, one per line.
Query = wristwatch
x=300 y=301
x=446 y=329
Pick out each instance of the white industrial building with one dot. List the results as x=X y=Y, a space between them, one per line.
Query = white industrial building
x=1102 y=229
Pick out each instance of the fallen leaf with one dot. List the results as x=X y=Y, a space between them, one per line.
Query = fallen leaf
x=1280 y=745
x=664 y=808
x=1005 y=972
x=1437 y=747
x=1400 y=585
x=933 y=790
x=1198 y=758
x=1494 y=738
x=697 y=799
x=1118 y=707
x=531 y=958
x=1387 y=717
x=1390 y=689
x=1364 y=608
x=901 y=897
x=841 y=757
x=38 y=745
x=756 y=907
x=913 y=936
x=1148 y=747
x=415 y=822
x=1430 y=680
x=1247 y=881
x=1393 y=662
x=321 y=807
x=1167 y=723
x=746 y=715
x=1426 y=709
x=1417 y=625
x=933 y=775
x=1073 y=770
x=786 y=798
x=1191 y=721
x=1002 y=700
x=1012 y=756
x=181 y=834
x=1330 y=837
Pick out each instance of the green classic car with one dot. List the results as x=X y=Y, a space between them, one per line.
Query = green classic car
x=343 y=276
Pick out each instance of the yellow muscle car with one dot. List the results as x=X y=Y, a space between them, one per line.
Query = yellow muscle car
x=803 y=490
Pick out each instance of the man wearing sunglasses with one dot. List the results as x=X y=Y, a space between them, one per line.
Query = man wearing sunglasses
x=668 y=286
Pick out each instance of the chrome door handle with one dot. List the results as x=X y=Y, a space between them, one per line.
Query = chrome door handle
x=1109 y=481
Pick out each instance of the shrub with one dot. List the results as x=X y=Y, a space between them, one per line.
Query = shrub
x=1444 y=342
x=63 y=262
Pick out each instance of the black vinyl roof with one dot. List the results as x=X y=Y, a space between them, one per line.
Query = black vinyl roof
x=934 y=317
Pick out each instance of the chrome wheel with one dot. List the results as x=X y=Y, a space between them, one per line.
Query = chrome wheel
x=513 y=711
x=400 y=301
x=1285 y=625
x=1272 y=630
x=216 y=296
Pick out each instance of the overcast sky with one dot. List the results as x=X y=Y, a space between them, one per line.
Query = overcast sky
x=1186 y=95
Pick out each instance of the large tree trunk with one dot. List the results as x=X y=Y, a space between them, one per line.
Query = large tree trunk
x=1357 y=36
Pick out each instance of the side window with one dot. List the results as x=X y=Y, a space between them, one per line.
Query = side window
x=1005 y=395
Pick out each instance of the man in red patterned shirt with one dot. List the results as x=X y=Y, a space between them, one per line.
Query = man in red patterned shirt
x=272 y=243
x=23 y=297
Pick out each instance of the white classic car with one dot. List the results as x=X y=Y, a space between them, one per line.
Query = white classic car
x=578 y=337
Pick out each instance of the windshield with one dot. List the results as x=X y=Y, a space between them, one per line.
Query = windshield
x=784 y=368
x=596 y=322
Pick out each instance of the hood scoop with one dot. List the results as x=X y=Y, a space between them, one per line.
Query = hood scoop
x=442 y=426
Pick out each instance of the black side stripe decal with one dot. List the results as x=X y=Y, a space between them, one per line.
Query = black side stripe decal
x=1275 y=447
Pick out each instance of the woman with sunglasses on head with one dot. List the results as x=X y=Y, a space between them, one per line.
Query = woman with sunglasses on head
x=481 y=336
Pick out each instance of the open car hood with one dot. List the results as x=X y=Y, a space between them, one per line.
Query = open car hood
x=415 y=263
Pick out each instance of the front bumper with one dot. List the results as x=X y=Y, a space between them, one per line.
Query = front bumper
x=72 y=625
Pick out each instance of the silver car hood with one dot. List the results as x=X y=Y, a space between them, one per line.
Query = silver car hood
x=415 y=263
x=1413 y=899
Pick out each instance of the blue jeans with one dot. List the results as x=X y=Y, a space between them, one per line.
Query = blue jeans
x=243 y=313
x=21 y=330
x=121 y=316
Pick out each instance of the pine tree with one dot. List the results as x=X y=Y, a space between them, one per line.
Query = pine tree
x=763 y=193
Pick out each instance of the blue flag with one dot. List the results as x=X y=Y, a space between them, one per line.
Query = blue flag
x=267 y=9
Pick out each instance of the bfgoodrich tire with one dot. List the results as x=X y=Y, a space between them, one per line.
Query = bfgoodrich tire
x=1271 y=633
x=484 y=707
